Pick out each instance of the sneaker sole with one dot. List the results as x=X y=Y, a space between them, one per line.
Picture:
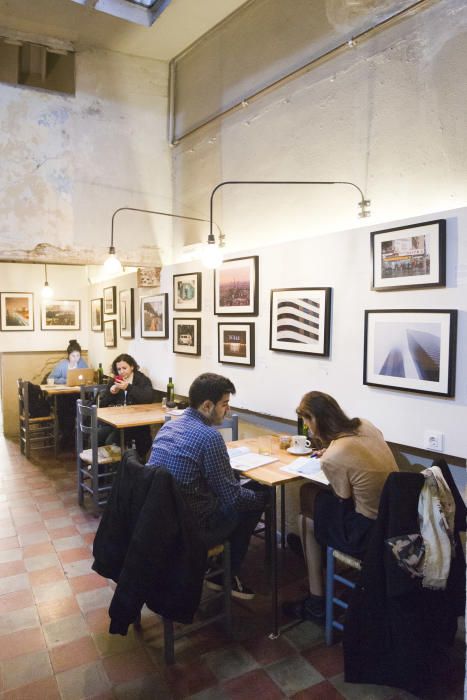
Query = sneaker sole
x=241 y=595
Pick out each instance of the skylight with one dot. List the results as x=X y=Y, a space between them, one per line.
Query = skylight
x=143 y=12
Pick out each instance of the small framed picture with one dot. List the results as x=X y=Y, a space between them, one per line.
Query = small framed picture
x=16 y=311
x=236 y=343
x=127 y=313
x=110 y=300
x=187 y=336
x=409 y=257
x=411 y=350
x=236 y=287
x=187 y=292
x=96 y=315
x=110 y=333
x=60 y=315
x=301 y=320
x=155 y=316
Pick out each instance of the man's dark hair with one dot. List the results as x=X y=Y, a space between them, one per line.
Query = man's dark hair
x=209 y=387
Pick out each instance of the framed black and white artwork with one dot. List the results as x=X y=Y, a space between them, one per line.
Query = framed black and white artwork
x=187 y=336
x=300 y=320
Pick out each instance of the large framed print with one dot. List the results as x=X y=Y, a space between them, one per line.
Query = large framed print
x=187 y=336
x=155 y=316
x=110 y=300
x=60 y=315
x=409 y=257
x=236 y=287
x=187 y=292
x=110 y=333
x=97 y=321
x=127 y=313
x=300 y=320
x=236 y=343
x=16 y=311
x=411 y=350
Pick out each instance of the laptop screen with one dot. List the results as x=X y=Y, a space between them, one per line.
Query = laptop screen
x=78 y=376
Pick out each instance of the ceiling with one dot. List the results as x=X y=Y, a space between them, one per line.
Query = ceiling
x=178 y=26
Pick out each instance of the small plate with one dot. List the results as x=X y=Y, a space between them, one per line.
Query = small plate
x=307 y=451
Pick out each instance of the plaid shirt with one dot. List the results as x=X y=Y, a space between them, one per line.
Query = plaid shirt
x=195 y=454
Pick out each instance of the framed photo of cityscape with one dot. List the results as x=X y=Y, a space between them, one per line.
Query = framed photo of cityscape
x=187 y=292
x=409 y=257
x=411 y=350
x=60 y=315
x=96 y=315
x=236 y=287
x=155 y=316
x=187 y=336
x=301 y=320
x=16 y=311
x=236 y=343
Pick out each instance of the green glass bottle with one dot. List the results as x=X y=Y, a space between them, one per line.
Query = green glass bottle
x=170 y=390
x=100 y=374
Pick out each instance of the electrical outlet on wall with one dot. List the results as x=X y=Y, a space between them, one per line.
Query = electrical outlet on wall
x=434 y=440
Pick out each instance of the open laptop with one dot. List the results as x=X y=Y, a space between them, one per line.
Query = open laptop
x=78 y=376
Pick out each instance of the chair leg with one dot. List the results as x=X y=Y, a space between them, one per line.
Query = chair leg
x=227 y=580
x=169 y=648
x=329 y=594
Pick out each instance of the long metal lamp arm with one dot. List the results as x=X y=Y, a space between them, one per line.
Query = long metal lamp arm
x=362 y=204
x=160 y=213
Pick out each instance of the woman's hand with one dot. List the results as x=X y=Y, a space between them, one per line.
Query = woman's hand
x=318 y=453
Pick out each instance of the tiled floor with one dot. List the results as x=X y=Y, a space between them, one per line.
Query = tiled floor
x=53 y=618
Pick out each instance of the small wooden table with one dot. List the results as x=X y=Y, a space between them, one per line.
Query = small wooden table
x=55 y=390
x=121 y=417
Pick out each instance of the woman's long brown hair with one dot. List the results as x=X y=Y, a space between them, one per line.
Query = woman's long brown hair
x=331 y=421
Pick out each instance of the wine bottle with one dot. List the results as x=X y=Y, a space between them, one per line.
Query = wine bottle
x=170 y=390
x=100 y=374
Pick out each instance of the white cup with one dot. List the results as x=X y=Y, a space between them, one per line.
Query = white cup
x=300 y=443
x=50 y=381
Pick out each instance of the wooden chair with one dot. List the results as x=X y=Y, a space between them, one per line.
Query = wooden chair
x=332 y=599
x=35 y=433
x=220 y=552
x=90 y=392
x=95 y=465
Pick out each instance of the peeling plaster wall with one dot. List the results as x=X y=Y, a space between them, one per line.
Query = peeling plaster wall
x=69 y=162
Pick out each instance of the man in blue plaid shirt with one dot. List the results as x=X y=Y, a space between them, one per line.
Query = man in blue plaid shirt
x=194 y=452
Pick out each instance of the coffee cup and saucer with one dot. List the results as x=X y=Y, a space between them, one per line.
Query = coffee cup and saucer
x=300 y=445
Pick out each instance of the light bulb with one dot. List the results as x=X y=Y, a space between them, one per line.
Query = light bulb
x=112 y=265
x=47 y=291
x=211 y=257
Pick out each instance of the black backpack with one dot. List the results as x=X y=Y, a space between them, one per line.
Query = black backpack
x=38 y=404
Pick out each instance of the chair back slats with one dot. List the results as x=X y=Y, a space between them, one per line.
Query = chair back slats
x=35 y=433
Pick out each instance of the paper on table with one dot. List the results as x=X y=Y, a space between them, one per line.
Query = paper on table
x=308 y=467
x=242 y=458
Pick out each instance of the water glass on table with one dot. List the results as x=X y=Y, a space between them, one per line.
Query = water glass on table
x=265 y=444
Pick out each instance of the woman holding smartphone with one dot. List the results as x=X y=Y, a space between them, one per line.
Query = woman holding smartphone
x=128 y=386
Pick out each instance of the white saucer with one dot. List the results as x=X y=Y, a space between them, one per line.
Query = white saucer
x=307 y=451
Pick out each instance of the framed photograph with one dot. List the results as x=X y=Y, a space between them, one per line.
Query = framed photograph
x=301 y=320
x=60 y=315
x=187 y=292
x=110 y=333
x=155 y=316
x=236 y=343
x=110 y=300
x=187 y=336
x=16 y=311
x=236 y=287
x=127 y=313
x=409 y=256
x=96 y=315
x=411 y=350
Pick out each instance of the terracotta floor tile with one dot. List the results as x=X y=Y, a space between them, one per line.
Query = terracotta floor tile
x=52 y=591
x=76 y=653
x=33 y=537
x=9 y=543
x=17 y=620
x=98 y=620
x=74 y=555
x=188 y=679
x=83 y=682
x=45 y=689
x=56 y=609
x=35 y=550
x=65 y=630
x=57 y=513
x=255 y=684
x=88 y=537
x=12 y=567
x=60 y=533
x=42 y=576
x=126 y=667
x=42 y=561
x=10 y=584
x=16 y=601
x=87 y=582
x=329 y=661
x=35 y=526
x=320 y=691
x=266 y=650
x=25 y=669
x=20 y=643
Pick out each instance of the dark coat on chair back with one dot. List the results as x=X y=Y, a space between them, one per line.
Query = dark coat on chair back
x=395 y=630
x=148 y=543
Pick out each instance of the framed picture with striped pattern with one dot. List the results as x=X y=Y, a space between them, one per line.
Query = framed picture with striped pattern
x=301 y=320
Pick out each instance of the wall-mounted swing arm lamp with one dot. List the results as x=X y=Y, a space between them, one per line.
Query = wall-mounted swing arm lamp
x=113 y=265
x=47 y=291
x=363 y=203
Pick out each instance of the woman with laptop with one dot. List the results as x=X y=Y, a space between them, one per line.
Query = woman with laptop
x=66 y=405
x=127 y=387
x=356 y=460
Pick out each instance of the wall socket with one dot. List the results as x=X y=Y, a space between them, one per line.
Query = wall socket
x=434 y=440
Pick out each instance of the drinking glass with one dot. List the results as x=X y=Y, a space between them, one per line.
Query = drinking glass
x=265 y=444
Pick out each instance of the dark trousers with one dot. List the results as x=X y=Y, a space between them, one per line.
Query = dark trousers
x=66 y=411
x=107 y=435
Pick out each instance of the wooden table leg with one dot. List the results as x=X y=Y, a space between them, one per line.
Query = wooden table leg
x=273 y=563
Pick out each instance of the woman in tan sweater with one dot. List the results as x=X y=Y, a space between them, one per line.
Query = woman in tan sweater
x=356 y=460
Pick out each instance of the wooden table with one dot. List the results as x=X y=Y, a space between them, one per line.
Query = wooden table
x=121 y=417
x=272 y=477
x=55 y=390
